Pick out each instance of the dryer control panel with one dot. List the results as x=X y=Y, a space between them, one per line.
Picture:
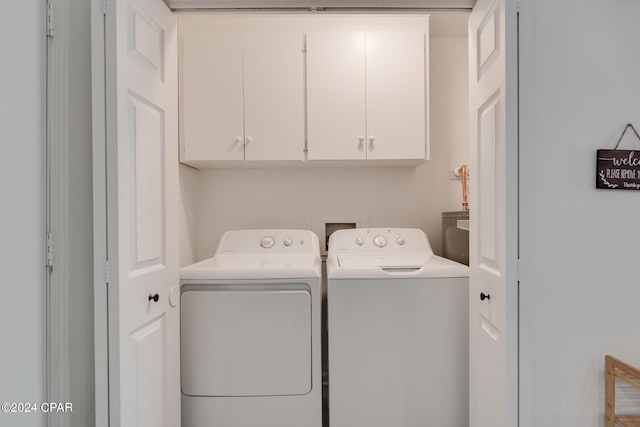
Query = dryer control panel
x=379 y=240
x=272 y=241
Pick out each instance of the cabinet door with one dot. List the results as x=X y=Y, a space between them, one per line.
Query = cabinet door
x=274 y=95
x=396 y=95
x=211 y=110
x=336 y=95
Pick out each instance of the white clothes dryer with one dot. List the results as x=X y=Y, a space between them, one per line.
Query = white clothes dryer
x=250 y=332
x=398 y=331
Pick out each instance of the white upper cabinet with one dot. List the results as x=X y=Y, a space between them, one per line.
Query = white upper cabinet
x=336 y=114
x=242 y=96
x=211 y=97
x=396 y=95
x=303 y=87
x=366 y=95
x=274 y=96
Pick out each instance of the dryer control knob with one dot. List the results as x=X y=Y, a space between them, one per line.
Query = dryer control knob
x=267 y=242
x=380 y=241
x=287 y=242
x=359 y=241
x=400 y=241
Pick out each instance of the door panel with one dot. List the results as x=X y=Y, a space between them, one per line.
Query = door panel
x=146 y=187
x=148 y=357
x=486 y=346
x=488 y=41
x=141 y=179
x=493 y=249
x=488 y=213
x=145 y=43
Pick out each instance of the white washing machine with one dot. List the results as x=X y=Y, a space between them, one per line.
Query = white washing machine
x=398 y=331
x=250 y=332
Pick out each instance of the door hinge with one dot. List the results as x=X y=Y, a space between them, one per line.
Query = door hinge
x=106 y=271
x=50 y=19
x=518 y=270
x=50 y=249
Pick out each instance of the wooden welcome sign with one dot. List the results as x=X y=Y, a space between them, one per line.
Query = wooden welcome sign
x=619 y=169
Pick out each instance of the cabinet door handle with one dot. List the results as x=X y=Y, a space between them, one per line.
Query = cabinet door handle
x=484 y=296
x=238 y=140
x=371 y=139
x=249 y=140
x=154 y=297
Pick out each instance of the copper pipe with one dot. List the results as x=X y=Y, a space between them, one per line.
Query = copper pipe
x=463 y=174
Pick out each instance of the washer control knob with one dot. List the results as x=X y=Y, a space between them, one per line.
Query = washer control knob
x=359 y=241
x=267 y=242
x=380 y=241
x=287 y=242
x=400 y=240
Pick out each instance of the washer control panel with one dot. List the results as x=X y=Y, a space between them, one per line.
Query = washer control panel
x=271 y=241
x=377 y=240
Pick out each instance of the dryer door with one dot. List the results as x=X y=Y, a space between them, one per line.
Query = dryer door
x=246 y=342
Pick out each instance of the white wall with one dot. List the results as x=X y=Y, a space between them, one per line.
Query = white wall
x=580 y=296
x=22 y=94
x=81 y=355
x=388 y=197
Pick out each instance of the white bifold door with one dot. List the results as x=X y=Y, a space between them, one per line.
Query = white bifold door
x=493 y=249
x=135 y=186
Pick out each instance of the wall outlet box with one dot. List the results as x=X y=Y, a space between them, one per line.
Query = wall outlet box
x=325 y=224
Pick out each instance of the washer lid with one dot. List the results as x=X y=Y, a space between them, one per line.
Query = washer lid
x=385 y=261
x=276 y=266
x=393 y=265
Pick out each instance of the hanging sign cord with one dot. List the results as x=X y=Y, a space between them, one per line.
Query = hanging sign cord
x=629 y=125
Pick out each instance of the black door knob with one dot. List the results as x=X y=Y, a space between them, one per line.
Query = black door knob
x=484 y=296
x=154 y=297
